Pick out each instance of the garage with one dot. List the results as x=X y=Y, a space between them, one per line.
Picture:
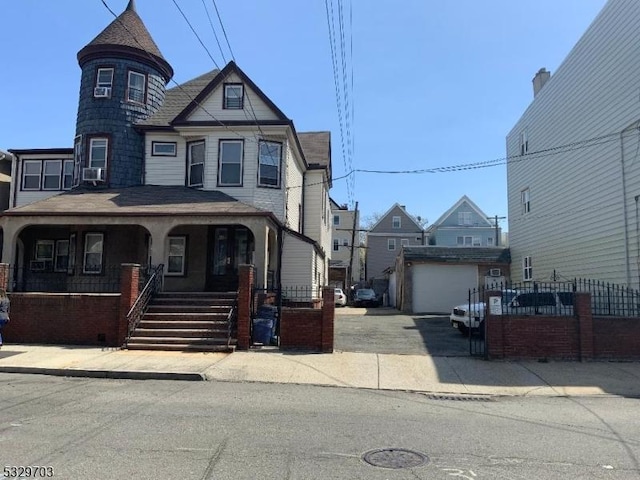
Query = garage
x=437 y=288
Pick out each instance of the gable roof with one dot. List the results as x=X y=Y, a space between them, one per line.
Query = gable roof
x=463 y=199
x=390 y=210
x=126 y=36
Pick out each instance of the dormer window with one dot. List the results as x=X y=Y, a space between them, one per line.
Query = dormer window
x=233 y=96
x=104 y=82
x=136 y=87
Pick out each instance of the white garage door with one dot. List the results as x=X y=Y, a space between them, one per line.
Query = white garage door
x=438 y=288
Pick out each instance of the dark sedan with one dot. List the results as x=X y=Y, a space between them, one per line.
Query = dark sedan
x=366 y=297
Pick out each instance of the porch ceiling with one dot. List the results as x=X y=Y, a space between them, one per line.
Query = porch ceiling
x=146 y=200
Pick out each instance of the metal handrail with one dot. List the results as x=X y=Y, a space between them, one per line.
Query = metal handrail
x=153 y=286
x=231 y=321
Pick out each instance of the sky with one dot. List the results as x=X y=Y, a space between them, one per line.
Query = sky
x=428 y=83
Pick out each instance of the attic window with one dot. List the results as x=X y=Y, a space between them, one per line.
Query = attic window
x=395 y=223
x=233 y=96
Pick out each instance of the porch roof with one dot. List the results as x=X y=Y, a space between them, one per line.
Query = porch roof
x=149 y=200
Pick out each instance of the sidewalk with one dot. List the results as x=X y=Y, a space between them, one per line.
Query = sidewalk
x=441 y=375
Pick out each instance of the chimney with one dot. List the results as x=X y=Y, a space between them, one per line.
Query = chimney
x=539 y=80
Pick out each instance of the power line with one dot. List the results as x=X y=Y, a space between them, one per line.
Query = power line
x=196 y=34
x=215 y=34
x=223 y=30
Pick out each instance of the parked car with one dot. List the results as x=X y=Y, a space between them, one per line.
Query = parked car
x=341 y=298
x=366 y=297
x=465 y=316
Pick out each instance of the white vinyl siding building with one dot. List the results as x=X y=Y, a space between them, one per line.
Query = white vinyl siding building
x=40 y=169
x=573 y=211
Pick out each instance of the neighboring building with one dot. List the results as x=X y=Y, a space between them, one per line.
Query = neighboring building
x=464 y=225
x=5 y=179
x=434 y=279
x=573 y=171
x=202 y=177
x=394 y=230
x=345 y=233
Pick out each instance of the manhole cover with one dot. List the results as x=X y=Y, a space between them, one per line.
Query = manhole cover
x=395 y=458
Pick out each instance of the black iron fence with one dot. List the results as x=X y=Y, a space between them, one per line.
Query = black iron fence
x=555 y=299
x=29 y=279
x=153 y=284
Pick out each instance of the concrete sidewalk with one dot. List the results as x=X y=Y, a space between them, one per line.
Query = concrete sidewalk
x=441 y=375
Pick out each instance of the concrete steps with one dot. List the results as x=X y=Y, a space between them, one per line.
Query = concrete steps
x=192 y=321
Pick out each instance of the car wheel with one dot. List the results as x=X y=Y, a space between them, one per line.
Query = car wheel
x=463 y=329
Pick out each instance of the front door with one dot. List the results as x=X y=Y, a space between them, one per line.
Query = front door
x=228 y=247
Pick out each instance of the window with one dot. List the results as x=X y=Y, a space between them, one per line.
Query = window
x=61 y=263
x=527 y=269
x=104 y=82
x=490 y=241
x=395 y=222
x=164 y=149
x=176 y=260
x=526 y=205
x=67 y=174
x=524 y=143
x=269 y=157
x=477 y=241
x=77 y=159
x=93 y=248
x=464 y=218
x=44 y=252
x=31 y=170
x=72 y=254
x=98 y=152
x=336 y=244
x=465 y=241
x=52 y=175
x=345 y=242
x=404 y=242
x=233 y=96
x=230 y=163
x=391 y=244
x=136 y=87
x=336 y=220
x=195 y=160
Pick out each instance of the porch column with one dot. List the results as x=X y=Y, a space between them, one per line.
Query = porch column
x=260 y=257
x=158 y=243
x=10 y=237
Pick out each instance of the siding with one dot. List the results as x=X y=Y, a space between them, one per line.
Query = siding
x=254 y=107
x=379 y=257
x=165 y=170
x=476 y=220
x=386 y=223
x=342 y=232
x=297 y=262
x=24 y=197
x=294 y=178
x=449 y=236
x=316 y=212
x=576 y=225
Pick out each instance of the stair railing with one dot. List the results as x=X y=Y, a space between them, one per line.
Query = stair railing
x=152 y=287
x=232 y=320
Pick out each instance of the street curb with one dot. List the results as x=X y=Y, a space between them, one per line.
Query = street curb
x=120 y=375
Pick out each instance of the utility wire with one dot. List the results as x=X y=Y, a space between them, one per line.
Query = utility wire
x=196 y=34
x=215 y=34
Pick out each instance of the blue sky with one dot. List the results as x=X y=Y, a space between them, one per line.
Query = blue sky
x=435 y=82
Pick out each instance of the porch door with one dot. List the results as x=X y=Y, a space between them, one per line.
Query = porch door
x=228 y=247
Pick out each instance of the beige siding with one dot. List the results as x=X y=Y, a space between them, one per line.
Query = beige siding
x=576 y=225
x=297 y=262
x=342 y=233
x=165 y=170
x=293 y=177
x=254 y=107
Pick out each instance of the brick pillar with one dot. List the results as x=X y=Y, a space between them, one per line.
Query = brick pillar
x=245 y=290
x=494 y=339
x=4 y=276
x=582 y=308
x=129 y=290
x=328 y=316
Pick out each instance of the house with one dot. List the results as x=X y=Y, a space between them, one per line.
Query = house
x=199 y=178
x=464 y=225
x=344 y=267
x=393 y=230
x=573 y=171
x=433 y=279
x=5 y=179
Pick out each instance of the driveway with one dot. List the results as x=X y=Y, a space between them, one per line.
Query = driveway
x=385 y=330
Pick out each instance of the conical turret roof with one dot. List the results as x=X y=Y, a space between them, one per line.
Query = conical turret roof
x=126 y=37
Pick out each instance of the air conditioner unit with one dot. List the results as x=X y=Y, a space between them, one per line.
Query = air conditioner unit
x=495 y=272
x=93 y=174
x=102 y=92
x=37 y=265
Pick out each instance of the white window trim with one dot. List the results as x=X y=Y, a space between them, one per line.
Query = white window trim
x=525 y=200
x=524 y=143
x=336 y=244
x=225 y=104
x=476 y=241
x=45 y=175
x=391 y=244
x=25 y=175
x=57 y=255
x=182 y=239
x=106 y=152
x=404 y=242
x=465 y=218
x=77 y=160
x=45 y=242
x=527 y=269
x=144 y=87
x=85 y=253
x=490 y=242
x=104 y=84
x=190 y=164
x=70 y=174
x=220 y=163
x=393 y=222
x=336 y=217
x=280 y=146
x=155 y=153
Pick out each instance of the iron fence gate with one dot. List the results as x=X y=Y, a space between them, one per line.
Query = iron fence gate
x=477 y=325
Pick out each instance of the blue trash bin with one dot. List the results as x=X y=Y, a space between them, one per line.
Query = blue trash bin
x=262 y=330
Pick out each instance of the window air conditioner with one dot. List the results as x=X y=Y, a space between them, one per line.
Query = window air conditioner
x=93 y=174
x=495 y=272
x=37 y=266
x=102 y=92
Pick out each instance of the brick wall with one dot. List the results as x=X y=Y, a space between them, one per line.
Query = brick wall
x=71 y=319
x=301 y=329
x=616 y=338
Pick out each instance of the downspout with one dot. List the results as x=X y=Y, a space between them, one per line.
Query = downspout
x=279 y=271
x=624 y=211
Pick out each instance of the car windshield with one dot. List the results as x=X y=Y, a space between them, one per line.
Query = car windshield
x=365 y=292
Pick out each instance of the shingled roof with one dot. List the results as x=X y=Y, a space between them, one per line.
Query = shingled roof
x=127 y=36
x=316 y=147
x=458 y=254
x=140 y=200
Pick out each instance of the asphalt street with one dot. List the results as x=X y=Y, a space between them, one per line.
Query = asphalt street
x=114 y=429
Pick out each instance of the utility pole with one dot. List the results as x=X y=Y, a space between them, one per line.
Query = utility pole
x=496 y=218
x=353 y=241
